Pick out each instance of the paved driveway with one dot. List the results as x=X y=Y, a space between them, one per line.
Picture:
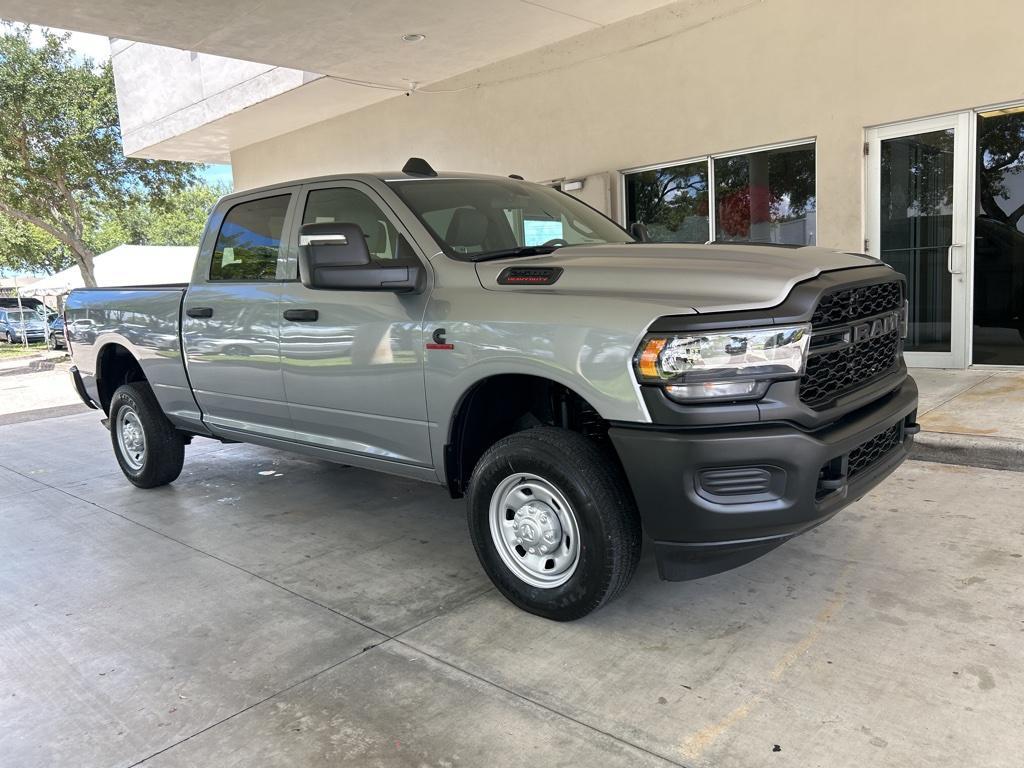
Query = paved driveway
x=267 y=609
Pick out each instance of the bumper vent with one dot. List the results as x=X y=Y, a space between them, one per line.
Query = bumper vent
x=866 y=455
x=741 y=485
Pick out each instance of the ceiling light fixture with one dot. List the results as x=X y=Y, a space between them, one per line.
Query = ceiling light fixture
x=413 y=37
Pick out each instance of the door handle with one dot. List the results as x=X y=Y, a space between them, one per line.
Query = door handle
x=301 y=315
x=953 y=270
x=199 y=311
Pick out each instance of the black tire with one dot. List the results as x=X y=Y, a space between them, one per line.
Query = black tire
x=164 y=451
x=10 y=338
x=51 y=341
x=596 y=489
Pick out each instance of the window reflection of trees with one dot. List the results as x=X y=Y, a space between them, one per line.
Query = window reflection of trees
x=766 y=196
x=672 y=202
x=1001 y=150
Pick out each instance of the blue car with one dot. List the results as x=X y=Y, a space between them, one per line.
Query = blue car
x=55 y=338
x=20 y=325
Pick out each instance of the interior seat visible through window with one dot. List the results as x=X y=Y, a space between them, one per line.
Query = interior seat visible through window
x=345 y=205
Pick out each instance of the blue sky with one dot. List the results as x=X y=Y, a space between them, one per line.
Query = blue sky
x=217 y=174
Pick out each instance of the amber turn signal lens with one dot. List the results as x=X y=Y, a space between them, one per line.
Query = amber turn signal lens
x=648 y=363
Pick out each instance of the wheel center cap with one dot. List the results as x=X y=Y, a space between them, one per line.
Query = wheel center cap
x=537 y=527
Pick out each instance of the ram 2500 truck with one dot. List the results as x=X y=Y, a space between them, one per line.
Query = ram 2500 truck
x=578 y=387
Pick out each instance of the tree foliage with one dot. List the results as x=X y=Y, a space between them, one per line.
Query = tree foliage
x=62 y=169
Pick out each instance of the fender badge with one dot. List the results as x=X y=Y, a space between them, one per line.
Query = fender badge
x=529 y=275
x=439 y=340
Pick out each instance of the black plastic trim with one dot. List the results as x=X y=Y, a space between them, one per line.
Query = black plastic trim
x=79 y=385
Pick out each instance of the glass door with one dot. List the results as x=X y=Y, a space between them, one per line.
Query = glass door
x=917 y=223
x=998 y=337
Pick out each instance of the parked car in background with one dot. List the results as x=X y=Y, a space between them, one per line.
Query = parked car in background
x=55 y=338
x=7 y=302
x=20 y=325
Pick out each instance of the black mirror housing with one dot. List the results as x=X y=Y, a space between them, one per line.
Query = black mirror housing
x=334 y=256
x=639 y=232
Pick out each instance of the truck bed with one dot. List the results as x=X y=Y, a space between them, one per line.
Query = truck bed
x=145 y=321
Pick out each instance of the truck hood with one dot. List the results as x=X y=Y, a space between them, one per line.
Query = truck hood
x=704 y=278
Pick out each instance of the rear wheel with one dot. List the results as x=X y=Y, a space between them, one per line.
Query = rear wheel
x=553 y=522
x=148 y=448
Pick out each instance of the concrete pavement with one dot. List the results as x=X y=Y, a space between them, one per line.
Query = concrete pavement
x=973 y=417
x=267 y=609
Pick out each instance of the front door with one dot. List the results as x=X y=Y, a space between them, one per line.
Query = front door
x=917 y=223
x=353 y=365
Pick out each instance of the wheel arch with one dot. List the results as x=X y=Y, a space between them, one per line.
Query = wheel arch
x=501 y=404
x=115 y=365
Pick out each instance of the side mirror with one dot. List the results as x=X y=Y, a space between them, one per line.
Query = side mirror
x=334 y=256
x=639 y=232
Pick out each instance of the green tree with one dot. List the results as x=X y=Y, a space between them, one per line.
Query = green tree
x=25 y=248
x=61 y=164
x=180 y=219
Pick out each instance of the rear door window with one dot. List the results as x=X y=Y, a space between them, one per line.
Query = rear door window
x=249 y=241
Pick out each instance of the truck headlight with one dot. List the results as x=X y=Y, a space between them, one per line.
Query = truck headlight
x=735 y=364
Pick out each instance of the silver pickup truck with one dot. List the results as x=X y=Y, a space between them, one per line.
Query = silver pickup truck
x=580 y=387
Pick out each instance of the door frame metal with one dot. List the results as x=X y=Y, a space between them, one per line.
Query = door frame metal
x=962 y=255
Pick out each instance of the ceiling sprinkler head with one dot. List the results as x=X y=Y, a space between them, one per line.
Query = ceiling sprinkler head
x=413 y=37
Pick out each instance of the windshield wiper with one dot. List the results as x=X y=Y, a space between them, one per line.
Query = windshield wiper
x=523 y=250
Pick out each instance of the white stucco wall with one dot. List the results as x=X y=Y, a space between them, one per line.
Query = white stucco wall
x=165 y=92
x=700 y=77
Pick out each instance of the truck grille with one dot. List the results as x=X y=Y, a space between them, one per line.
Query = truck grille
x=854 y=303
x=843 y=367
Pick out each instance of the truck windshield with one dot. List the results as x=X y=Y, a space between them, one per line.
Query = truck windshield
x=480 y=219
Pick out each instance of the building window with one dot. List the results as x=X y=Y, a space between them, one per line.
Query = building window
x=671 y=201
x=766 y=196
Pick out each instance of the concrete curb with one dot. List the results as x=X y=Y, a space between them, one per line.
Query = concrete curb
x=970 y=450
x=23 y=365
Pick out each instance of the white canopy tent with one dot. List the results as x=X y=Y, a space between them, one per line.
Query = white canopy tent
x=124 y=265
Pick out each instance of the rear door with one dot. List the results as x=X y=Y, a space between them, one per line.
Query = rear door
x=232 y=313
x=353 y=368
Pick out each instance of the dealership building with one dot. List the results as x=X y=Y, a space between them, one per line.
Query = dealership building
x=891 y=128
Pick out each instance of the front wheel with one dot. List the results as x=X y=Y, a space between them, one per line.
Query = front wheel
x=149 y=449
x=553 y=522
x=10 y=338
x=51 y=341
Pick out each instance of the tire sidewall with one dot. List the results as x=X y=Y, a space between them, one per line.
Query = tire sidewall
x=124 y=397
x=588 y=582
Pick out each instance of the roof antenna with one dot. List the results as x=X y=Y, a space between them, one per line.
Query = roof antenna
x=417 y=166
x=516 y=176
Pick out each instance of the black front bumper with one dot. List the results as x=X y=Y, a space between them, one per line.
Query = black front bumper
x=715 y=498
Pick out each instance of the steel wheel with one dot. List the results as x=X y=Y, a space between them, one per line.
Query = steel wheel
x=534 y=530
x=131 y=438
